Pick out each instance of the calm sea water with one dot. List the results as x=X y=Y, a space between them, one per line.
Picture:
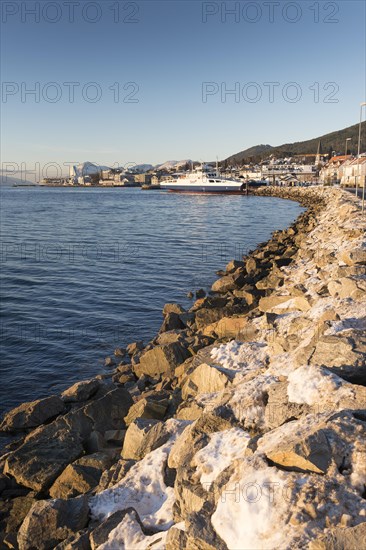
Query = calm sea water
x=86 y=270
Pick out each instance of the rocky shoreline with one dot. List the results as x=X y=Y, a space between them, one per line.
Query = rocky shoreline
x=240 y=425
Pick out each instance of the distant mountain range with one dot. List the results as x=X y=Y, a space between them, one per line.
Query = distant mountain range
x=173 y=164
x=8 y=181
x=335 y=141
x=88 y=168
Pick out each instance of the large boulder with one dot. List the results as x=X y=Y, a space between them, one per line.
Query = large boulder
x=228 y=282
x=161 y=360
x=108 y=412
x=51 y=521
x=283 y=304
x=149 y=407
x=279 y=409
x=311 y=453
x=356 y=256
x=189 y=410
x=33 y=414
x=208 y=315
x=171 y=321
x=205 y=379
x=234 y=265
x=136 y=433
x=347 y=287
x=210 y=302
x=250 y=294
x=47 y=451
x=157 y=436
x=44 y=455
x=273 y=280
x=252 y=265
x=173 y=308
x=81 y=391
x=238 y=328
x=100 y=534
x=81 y=476
x=343 y=355
x=315 y=442
x=114 y=475
x=134 y=347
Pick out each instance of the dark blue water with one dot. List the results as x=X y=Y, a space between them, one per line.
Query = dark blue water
x=86 y=270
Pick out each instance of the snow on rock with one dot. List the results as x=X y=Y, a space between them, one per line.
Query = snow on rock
x=254 y=481
x=87 y=168
x=263 y=508
x=310 y=385
x=140 y=168
x=242 y=358
x=353 y=317
x=222 y=449
x=252 y=510
x=248 y=400
x=173 y=164
x=128 y=535
x=143 y=488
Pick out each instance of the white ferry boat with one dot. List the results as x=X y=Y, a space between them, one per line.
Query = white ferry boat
x=204 y=180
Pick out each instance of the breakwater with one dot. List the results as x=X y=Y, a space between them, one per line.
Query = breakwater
x=120 y=258
x=240 y=425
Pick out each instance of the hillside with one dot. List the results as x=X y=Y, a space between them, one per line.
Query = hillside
x=335 y=141
x=7 y=181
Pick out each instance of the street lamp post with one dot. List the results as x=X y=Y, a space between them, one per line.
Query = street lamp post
x=358 y=158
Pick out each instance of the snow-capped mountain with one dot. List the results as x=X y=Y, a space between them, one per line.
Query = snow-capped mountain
x=173 y=164
x=140 y=168
x=86 y=169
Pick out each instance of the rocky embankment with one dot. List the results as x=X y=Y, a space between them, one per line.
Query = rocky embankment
x=241 y=425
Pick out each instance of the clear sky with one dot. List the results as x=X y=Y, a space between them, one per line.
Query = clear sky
x=172 y=64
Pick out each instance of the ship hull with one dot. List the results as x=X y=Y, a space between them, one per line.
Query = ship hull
x=207 y=191
x=194 y=188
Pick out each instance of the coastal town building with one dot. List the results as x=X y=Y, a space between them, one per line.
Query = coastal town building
x=332 y=172
x=54 y=181
x=354 y=172
x=345 y=170
x=143 y=179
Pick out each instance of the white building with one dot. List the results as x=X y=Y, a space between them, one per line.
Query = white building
x=354 y=172
x=332 y=172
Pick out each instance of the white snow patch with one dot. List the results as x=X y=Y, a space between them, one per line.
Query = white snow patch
x=285 y=320
x=239 y=357
x=281 y=364
x=252 y=513
x=310 y=385
x=128 y=535
x=353 y=317
x=291 y=303
x=222 y=449
x=249 y=399
x=143 y=488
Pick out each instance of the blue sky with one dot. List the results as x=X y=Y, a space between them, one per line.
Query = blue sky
x=163 y=53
